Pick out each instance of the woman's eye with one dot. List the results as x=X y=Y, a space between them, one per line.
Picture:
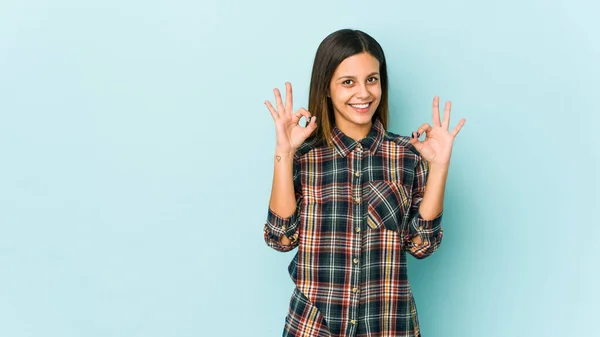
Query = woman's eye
x=372 y=79
x=347 y=82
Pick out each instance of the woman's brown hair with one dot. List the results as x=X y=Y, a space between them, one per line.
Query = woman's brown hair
x=334 y=49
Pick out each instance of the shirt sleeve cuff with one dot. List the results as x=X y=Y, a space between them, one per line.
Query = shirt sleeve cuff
x=278 y=226
x=428 y=230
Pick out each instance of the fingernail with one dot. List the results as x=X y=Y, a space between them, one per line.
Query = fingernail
x=418 y=135
x=412 y=135
x=308 y=120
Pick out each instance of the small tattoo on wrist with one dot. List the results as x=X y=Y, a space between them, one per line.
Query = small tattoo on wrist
x=278 y=157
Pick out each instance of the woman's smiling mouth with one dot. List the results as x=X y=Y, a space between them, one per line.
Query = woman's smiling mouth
x=361 y=107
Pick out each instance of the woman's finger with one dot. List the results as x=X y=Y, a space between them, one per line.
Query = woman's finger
x=302 y=112
x=446 y=121
x=279 y=102
x=288 y=97
x=272 y=110
x=311 y=126
x=414 y=140
x=435 y=111
x=425 y=127
x=458 y=127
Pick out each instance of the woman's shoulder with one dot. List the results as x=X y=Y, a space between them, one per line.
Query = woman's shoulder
x=308 y=145
x=402 y=143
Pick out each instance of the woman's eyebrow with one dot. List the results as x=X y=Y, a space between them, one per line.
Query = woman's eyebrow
x=354 y=77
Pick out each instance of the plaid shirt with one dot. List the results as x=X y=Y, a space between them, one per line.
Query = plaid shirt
x=357 y=208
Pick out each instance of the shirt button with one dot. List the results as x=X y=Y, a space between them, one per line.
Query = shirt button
x=358 y=229
x=355 y=260
x=357 y=200
x=283 y=227
x=420 y=228
x=355 y=290
x=357 y=173
x=353 y=322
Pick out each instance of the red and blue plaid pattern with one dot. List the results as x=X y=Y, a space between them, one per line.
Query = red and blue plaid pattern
x=357 y=209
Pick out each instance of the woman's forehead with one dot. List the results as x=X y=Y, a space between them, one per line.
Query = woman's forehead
x=362 y=64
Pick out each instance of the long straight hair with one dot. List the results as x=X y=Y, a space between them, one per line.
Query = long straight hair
x=334 y=49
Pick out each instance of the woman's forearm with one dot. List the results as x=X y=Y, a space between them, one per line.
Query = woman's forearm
x=283 y=197
x=433 y=199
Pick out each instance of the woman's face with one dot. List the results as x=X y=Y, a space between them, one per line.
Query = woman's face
x=355 y=91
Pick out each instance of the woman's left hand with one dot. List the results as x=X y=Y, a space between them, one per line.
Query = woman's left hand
x=437 y=146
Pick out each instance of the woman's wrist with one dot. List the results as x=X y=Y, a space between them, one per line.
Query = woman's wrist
x=285 y=151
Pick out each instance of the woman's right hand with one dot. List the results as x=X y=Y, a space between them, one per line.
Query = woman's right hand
x=290 y=135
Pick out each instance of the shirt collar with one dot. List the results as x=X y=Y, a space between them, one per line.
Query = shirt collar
x=344 y=144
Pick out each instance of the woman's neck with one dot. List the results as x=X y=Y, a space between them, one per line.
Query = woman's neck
x=354 y=131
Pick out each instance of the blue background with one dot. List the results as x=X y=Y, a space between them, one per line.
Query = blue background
x=136 y=161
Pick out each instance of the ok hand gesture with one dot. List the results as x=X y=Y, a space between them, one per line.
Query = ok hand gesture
x=290 y=135
x=437 y=146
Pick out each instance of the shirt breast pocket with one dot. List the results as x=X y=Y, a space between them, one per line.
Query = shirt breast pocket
x=388 y=203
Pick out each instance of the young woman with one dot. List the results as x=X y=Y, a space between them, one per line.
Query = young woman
x=353 y=197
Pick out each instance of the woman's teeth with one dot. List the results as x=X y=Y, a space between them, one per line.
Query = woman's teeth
x=360 y=106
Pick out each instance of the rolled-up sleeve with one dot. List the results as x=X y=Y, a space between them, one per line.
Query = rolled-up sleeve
x=276 y=226
x=430 y=231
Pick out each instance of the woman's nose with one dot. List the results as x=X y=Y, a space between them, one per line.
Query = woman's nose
x=363 y=91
